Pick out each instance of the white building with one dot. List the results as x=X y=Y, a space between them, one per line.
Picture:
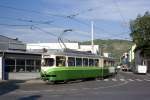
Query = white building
x=107 y=54
x=34 y=46
x=94 y=49
x=58 y=46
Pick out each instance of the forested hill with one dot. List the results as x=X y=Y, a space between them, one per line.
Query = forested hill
x=116 y=47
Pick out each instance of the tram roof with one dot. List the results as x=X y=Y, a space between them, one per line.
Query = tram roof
x=71 y=53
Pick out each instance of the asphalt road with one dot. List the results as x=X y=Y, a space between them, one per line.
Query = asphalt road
x=123 y=86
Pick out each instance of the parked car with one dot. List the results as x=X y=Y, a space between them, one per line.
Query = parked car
x=141 y=69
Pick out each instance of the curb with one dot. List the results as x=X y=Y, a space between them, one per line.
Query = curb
x=33 y=81
x=148 y=74
x=3 y=81
x=30 y=81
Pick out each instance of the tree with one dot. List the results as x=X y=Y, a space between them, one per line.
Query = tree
x=140 y=33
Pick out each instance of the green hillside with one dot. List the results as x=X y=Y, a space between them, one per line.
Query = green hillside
x=116 y=47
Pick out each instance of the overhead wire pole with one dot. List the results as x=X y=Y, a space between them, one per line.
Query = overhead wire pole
x=92 y=36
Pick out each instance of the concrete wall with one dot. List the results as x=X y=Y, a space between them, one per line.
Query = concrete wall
x=23 y=76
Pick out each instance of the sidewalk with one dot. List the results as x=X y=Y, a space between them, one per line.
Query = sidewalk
x=148 y=74
x=34 y=81
x=30 y=81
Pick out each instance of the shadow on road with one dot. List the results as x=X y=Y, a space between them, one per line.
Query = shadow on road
x=32 y=97
x=9 y=86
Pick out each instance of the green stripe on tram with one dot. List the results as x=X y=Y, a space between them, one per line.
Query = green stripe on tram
x=68 y=73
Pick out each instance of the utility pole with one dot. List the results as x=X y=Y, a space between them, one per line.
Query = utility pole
x=92 y=36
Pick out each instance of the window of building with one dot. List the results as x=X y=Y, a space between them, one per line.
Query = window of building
x=38 y=65
x=30 y=66
x=9 y=65
x=20 y=65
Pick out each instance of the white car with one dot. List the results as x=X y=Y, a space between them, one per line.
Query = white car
x=141 y=69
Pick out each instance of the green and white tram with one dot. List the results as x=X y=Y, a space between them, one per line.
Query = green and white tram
x=71 y=65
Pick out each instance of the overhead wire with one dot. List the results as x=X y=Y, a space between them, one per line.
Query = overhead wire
x=31 y=11
x=119 y=11
x=27 y=20
x=72 y=17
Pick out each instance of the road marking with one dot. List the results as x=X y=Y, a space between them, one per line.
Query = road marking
x=138 y=80
x=146 y=79
x=114 y=79
x=106 y=80
x=131 y=80
x=98 y=80
x=122 y=79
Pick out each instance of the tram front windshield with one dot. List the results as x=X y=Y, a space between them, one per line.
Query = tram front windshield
x=48 y=62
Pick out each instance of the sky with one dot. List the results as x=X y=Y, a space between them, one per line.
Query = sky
x=45 y=20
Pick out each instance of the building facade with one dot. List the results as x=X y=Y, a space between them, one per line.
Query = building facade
x=16 y=62
x=136 y=59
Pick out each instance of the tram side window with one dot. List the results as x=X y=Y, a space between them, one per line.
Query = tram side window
x=71 y=61
x=78 y=61
x=48 y=62
x=60 y=61
x=85 y=61
x=96 y=62
x=91 y=62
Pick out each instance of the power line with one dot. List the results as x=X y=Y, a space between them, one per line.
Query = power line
x=72 y=17
x=13 y=25
x=119 y=11
x=42 y=30
x=31 y=11
x=27 y=20
x=56 y=15
x=84 y=11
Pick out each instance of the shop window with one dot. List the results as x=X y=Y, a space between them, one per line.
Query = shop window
x=9 y=65
x=20 y=68
x=10 y=68
x=20 y=65
x=38 y=62
x=30 y=69
x=29 y=62
x=38 y=65
x=20 y=62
